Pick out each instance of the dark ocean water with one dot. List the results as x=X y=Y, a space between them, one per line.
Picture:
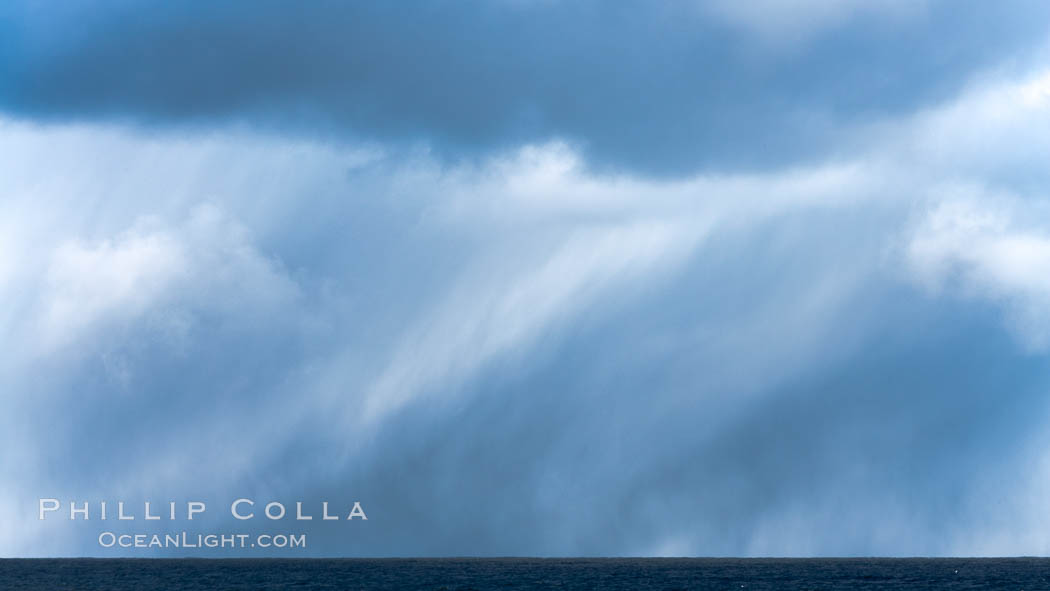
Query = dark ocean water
x=527 y=573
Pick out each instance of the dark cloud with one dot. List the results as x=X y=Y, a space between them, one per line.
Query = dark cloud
x=651 y=88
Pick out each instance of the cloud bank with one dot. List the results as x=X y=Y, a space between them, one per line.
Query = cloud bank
x=657 y=90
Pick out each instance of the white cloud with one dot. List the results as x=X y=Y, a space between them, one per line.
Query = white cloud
x=84 y=283
x=986 y=249
x=998 y=131
x=173 y=271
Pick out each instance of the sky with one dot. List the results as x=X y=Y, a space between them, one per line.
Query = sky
x=530 y=277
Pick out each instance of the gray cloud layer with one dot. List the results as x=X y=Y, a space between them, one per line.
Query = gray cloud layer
x=664 y=89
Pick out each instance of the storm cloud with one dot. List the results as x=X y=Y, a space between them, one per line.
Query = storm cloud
x=656 y=89
x=531 y=278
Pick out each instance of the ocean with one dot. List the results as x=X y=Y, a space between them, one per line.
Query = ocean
x=462 y=574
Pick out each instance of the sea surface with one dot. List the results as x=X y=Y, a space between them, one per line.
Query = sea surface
x=86 y=574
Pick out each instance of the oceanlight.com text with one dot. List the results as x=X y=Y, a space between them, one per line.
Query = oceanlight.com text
x=108 y=539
